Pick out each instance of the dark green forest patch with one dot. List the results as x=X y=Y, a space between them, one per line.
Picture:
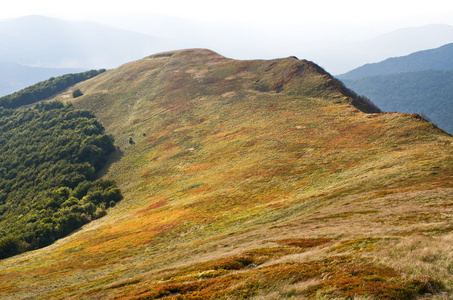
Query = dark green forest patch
x=45 y=89
x=49 y=156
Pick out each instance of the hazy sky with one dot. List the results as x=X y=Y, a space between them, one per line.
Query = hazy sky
x=326 y=31
x=291 y=12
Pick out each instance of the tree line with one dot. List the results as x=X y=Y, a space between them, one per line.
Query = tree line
x=45 y=89
x=49 y=156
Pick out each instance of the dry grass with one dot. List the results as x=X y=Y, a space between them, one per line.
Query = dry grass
x=252 y=179
x=421 y=255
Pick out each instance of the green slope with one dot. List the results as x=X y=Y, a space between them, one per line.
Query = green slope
x=252 y=179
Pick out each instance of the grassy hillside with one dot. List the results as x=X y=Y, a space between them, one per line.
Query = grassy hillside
x=252 y=179
x=427 y=92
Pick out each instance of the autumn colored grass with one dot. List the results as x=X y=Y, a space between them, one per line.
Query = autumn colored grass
x=252 y=179
x=337 y=276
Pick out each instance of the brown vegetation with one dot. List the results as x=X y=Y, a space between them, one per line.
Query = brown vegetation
x=253 y=179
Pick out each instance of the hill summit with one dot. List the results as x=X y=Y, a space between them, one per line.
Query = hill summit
x=259 y=179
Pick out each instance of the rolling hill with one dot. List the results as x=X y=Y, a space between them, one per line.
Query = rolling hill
x=257 y=179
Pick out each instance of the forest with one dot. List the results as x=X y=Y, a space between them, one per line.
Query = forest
x=45 y=89
x=49 y=157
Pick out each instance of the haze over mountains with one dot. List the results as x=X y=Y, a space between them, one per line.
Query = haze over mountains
x=14 y=77
x=341 y=56
x=48 y=42
x=251 y=179
x=417 y=83
x=35 y=48
x=432 y=59
x=52 y=43
x=38 y=41
x=338 y=48
x=189 y=174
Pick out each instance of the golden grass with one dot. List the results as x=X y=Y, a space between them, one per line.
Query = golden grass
x=243 y=177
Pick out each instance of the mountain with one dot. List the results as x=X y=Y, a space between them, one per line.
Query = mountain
x=434 y=59
x=35 y=48
x=408 y=40
x=47 y=42
x=342 y=55
x=416 y=83
x=336 y=47
x=14 y=77
x=257 y=179
x=52 y=43
x=424 y=92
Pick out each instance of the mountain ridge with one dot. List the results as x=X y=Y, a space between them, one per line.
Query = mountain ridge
x=424 y=92
x=73 y=44
x=168 y=35
x=416 y=83
x=432 y=59
x=250 y=179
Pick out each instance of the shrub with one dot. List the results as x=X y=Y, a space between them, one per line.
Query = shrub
x=9 y=246
x=76 y=93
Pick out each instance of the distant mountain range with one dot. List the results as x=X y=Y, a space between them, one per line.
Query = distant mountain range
x=433 y=59
x=337 y=48
x=35 y=48
x=421 y=82
x=341 y=56
x=43 y=42
x=48 y=42
x=14 y=77
x=51 y=43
